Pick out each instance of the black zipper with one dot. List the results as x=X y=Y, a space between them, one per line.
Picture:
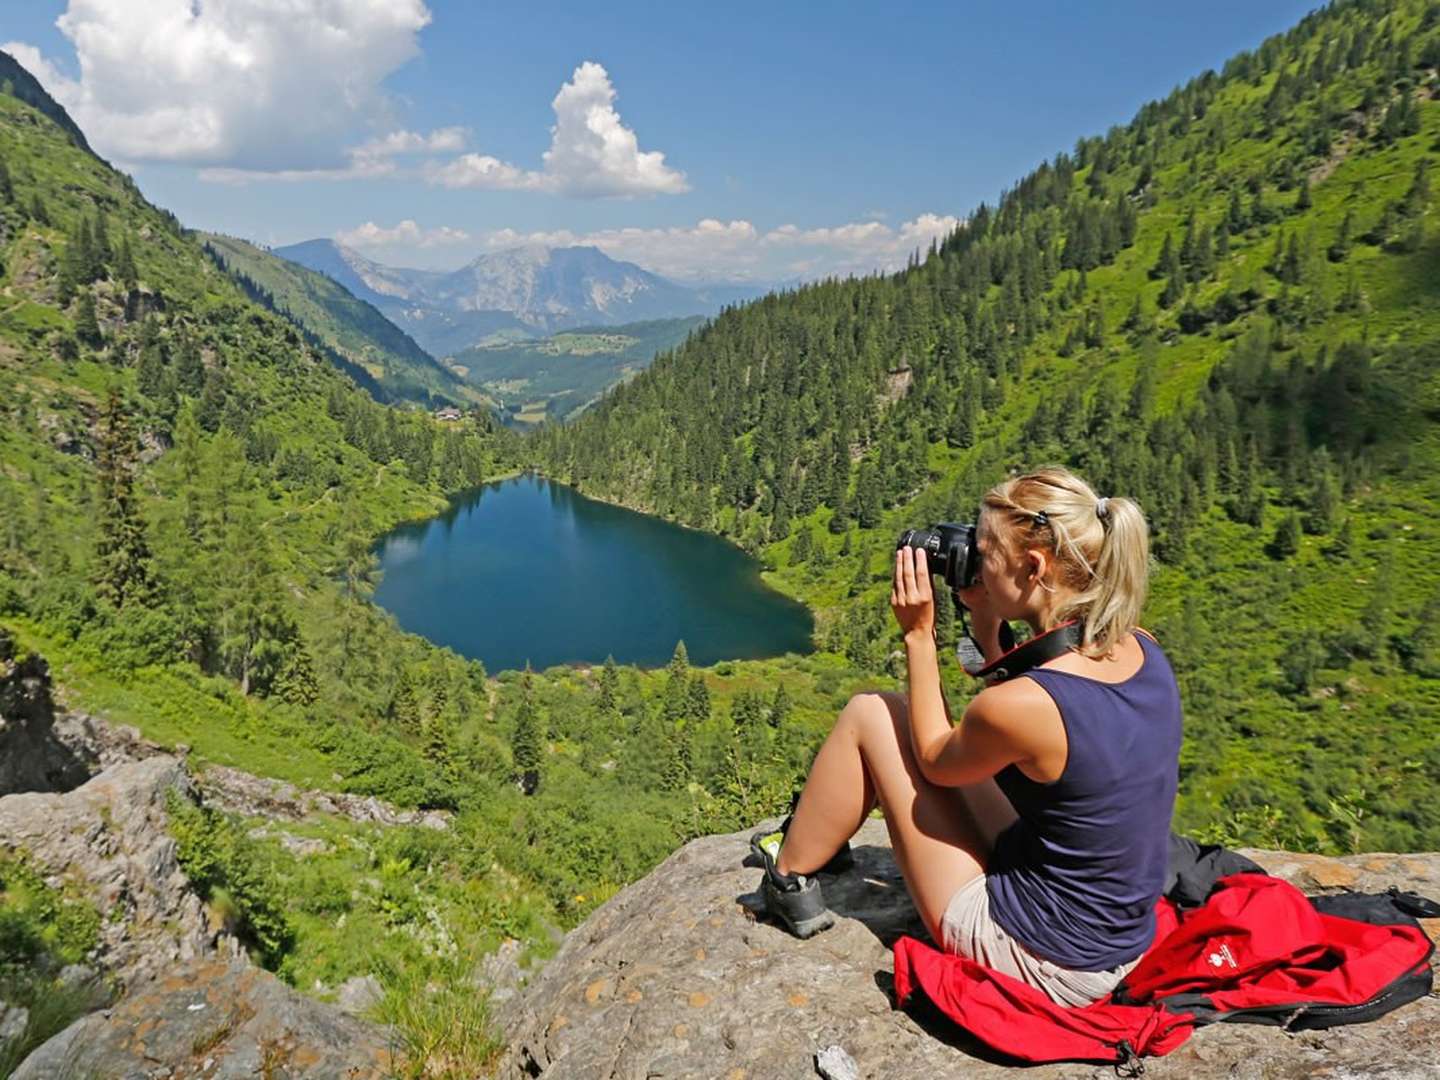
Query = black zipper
x=1327 y=1009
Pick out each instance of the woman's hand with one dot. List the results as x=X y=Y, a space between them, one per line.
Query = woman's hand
x=911 y=597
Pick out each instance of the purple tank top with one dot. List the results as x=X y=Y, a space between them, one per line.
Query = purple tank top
x=1076 y=879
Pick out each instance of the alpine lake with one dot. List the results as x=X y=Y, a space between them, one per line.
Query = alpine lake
x=527 y=570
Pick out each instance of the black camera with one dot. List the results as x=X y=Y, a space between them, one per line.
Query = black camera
x=949 y=551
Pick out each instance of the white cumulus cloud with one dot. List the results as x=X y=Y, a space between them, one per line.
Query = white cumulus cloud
x=592 y=153
x=278 y=85
x=407 y=233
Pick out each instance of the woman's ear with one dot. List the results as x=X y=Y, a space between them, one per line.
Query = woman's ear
x=1037 y=563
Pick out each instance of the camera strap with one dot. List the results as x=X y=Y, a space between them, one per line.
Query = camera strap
x=1017 y=659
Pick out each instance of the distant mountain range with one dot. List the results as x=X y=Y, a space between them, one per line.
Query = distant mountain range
x=356 y=335
x=519 y=293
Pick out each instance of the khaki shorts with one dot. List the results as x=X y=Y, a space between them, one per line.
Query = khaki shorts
x=968 y=930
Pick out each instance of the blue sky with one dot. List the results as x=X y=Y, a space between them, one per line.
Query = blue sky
x=707 y=142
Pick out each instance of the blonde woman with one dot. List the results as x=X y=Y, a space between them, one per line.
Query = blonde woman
x=1032 y=834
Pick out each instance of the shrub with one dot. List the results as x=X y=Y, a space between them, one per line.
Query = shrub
x=227 y=867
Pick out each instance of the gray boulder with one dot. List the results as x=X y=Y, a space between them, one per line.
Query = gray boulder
x=221 y=1021
x=676 y=976
x=109 y=837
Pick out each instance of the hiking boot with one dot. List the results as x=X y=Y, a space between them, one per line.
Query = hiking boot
x=794 y=899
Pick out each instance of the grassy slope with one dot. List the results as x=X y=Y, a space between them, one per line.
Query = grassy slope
x=340 y=321
x=559 y=376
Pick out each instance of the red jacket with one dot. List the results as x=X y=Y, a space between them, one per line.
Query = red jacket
x=1258 y=949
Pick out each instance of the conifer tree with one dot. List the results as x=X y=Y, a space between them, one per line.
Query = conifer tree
x=297 y=683
x=1164 y=265
x=697 y=700
x=677 y=765
x=1287 y=536
x=1303 y=200
x=868 y=497
x=1341 y=247
x=87 y=326
x=608 y=700
x=801 y=547
x=1235 y=217
x=779 y=707
x=189 y=368
x=125 y=265
x=525 y=738
x=122 y=555
x=673 y=699
x=404 y=706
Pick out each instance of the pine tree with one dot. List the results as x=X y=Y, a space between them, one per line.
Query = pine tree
x=1324 y=501
x=189 y=368
x=779 y=707
x=1338 y=251
x=404 y=705
x=608 y=700
x=801 y=546
x=676 y=768
x=125 y=265
x=697 y=700
x=673 y=697
x=1302 y=198
x=525 y=738
x=944 y=617
x=297 y=683
x=122 y=556
x=1235 y=217
x=87 y=326
x=1286 y=542
x=868 y=496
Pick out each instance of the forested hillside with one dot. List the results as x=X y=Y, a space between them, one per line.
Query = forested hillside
x=373 y=350
x=1226 y=309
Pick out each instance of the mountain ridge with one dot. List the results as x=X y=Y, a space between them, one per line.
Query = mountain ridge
x=531 y=290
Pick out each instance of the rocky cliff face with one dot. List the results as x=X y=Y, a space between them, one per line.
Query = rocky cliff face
x=189 y=1002
x=677 y=977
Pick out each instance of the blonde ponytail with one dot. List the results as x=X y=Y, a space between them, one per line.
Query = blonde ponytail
x=1101 y=546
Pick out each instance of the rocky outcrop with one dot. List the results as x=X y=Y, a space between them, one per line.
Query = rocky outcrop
x=676 y=976
x=109 y=838
x=221 y=1021
x=32 y=758
x=241 y=793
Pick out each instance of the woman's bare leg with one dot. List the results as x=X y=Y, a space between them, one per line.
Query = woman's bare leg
x=937 y=841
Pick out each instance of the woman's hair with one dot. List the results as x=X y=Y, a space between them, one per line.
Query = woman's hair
x=1101 y=546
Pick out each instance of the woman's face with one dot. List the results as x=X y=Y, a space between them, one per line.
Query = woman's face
x=1008 y=576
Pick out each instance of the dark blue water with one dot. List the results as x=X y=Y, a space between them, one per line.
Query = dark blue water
x=529 y=570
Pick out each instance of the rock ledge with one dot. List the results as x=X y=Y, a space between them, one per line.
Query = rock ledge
x=675 y=977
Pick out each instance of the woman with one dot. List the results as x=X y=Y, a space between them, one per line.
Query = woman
x=1033 y=835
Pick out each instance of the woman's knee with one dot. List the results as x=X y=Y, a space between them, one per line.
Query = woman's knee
x=876 y=714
